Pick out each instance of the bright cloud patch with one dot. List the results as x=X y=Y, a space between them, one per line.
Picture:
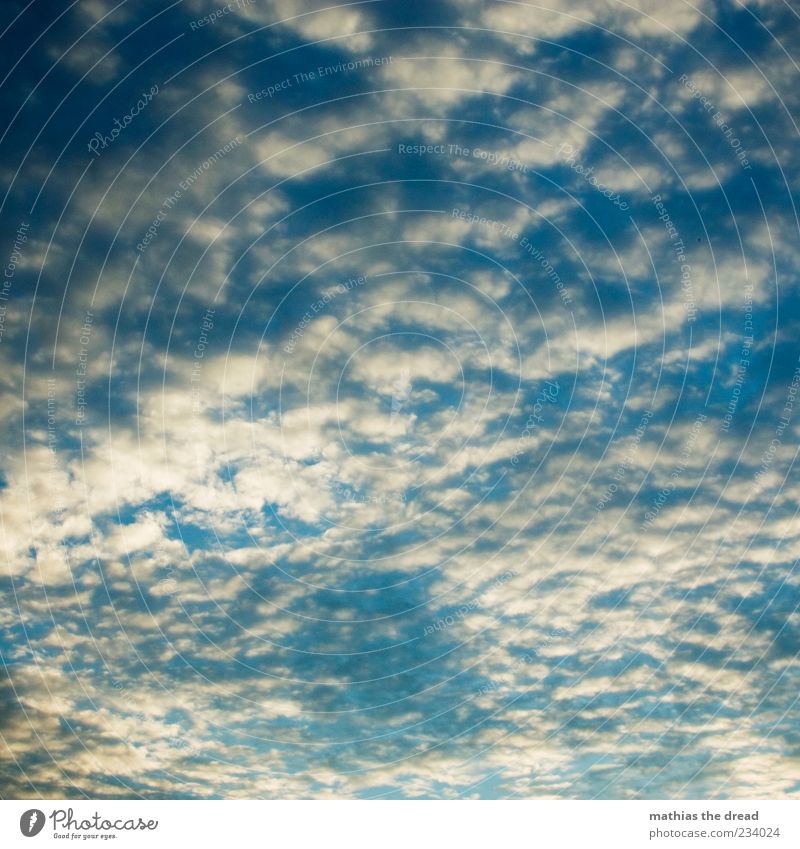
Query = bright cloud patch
x=401 y=403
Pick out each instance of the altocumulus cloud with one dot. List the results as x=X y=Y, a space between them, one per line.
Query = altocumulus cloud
x=331 y=492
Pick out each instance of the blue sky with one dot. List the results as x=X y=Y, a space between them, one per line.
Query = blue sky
x=400 y=400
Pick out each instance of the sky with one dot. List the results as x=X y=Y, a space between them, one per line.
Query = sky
x=399 y=399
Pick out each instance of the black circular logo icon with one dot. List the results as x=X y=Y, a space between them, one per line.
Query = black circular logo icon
x=31 y=822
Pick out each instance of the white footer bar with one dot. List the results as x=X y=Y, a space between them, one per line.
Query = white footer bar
x=402 y=825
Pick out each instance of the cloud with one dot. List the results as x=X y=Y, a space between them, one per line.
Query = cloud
x=295 y=519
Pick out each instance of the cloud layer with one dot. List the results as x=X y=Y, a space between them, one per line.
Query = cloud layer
x=401 y=402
